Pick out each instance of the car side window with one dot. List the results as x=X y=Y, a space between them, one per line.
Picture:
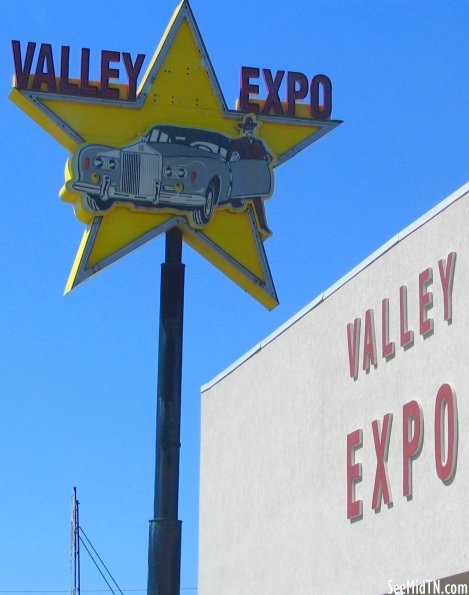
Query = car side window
x=153 y=136
x=158 y=136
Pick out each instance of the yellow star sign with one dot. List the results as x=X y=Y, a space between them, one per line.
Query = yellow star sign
x=169 y=153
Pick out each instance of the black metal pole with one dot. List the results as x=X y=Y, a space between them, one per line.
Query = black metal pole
x=164 y=551
x=76 y=544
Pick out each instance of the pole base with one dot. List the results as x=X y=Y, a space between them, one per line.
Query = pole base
x=164 y=557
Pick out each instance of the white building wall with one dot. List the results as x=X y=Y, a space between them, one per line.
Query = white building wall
x=273 y=511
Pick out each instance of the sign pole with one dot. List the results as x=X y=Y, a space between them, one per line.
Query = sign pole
x=164 y=551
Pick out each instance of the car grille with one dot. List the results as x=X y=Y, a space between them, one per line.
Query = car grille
x=130 y=180
x=139 y=173
x=149 y=172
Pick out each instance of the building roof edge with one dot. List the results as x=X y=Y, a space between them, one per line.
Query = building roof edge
x=444 y=204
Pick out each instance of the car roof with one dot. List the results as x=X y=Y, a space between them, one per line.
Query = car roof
x=192 y=134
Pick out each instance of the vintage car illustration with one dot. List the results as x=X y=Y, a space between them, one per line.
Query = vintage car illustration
x=172 y=168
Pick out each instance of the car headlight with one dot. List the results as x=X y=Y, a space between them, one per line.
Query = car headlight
x=102 y=162
x=181 y=172
x=168 y=171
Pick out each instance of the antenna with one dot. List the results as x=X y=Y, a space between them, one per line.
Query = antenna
x=75 y=535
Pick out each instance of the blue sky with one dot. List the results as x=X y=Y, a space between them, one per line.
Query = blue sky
x=78 y=373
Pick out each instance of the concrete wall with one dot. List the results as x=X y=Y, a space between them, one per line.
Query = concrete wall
x=273 y=511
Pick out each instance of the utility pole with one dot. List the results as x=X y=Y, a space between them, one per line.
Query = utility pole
x=75 y=534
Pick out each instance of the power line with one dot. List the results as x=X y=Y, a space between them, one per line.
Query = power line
x=99 y=558
x=89 y=590
x=97 y=566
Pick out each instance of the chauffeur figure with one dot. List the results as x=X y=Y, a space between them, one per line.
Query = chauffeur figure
x=250 y=147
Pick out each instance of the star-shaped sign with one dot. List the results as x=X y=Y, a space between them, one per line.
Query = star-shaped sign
x=178 y=104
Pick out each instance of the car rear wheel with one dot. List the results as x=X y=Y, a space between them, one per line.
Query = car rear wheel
x=203 y=215
x=237 y=203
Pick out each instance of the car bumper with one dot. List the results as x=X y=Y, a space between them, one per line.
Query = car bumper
x=107 y=191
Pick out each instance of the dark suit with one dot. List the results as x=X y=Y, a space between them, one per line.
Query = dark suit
x=248 y=148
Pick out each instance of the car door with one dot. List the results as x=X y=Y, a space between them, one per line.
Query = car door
x=250 y=178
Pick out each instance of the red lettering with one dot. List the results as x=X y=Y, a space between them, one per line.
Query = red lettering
x=446 y=439
x=22 y=72
x=298 y=86
x=45 y=71
x=246 y=89
x=388 y=346
x=108 y=73
x=353 y=341
x=85 y=88
x=273 y=99
x=65 y=85
x=133 y=70
x=446 y=401
x=407 y=336
x=45 y=80
x=354 y=474
x=381 y=488
x=446 y=269
x=425 y=302
x=294 y=93
x=369 y=341
x=321 y=111
x=412 y=439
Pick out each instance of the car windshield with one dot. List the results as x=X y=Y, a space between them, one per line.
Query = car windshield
x=205 y=140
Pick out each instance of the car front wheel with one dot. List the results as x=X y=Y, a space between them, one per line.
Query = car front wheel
x=95 y=204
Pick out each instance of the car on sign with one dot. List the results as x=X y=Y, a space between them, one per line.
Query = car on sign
x=171 y=168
